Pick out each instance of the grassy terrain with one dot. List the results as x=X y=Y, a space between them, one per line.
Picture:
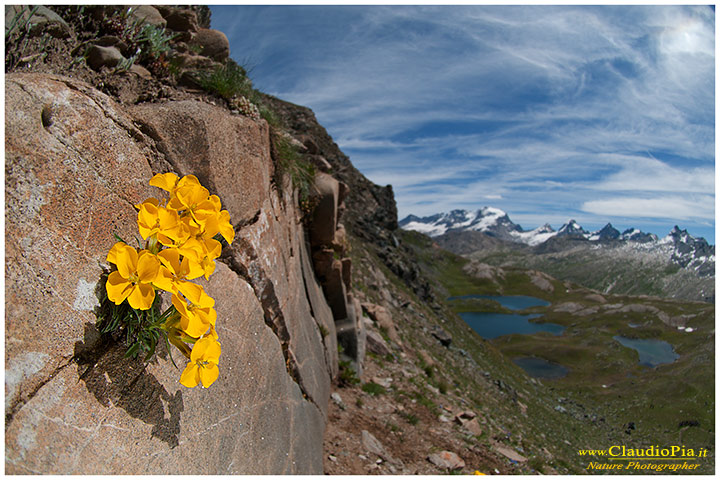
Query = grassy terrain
x=607 y=270
x=626 y=403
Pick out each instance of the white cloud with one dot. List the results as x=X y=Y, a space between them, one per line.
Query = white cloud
x=540 y=108
x=666 y=207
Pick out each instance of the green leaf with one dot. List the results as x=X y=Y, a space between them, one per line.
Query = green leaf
x=133 y=351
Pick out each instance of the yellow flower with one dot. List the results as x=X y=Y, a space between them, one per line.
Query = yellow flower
x=134 y=276
x=174 y=271
x=162 y=222
x=203 y=365
x=220 y=223
x=166 y=181
x=201 y=254
x=198 y=316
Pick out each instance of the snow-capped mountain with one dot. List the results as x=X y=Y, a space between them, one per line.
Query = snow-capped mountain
x=678 y=246
x=492 y=221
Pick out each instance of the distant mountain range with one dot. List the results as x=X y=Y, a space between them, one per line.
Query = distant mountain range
x=678 y=246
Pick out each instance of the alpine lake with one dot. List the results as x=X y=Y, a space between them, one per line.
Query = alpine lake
x=491 y=323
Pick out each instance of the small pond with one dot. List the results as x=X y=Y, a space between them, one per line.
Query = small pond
x=493 y=325
x=540 y=368
x=652 y=352
x=513 y=302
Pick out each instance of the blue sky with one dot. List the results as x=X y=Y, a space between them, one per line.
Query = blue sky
x=601 y=114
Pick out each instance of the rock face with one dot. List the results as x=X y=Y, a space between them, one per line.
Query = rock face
x=76 y=163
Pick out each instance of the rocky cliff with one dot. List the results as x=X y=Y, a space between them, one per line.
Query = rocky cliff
x=77 y=161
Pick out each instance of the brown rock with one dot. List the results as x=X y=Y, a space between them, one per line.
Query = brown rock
x=380 y=315
x=472 y=426
x=75 y=166
x=194 y=62
x=447 y=460
x=347 y=272
x=324 y=220
x=180 y=20
x=213 y=44
x=140 y=71
x=339 y=242
x=99 y=57
x=191 y=134
x=509 y=453
x=147 y=14
x=319 y=161
x=42 y=20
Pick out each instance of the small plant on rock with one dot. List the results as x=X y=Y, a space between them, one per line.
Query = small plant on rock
x=181 y=244
x=227 y=81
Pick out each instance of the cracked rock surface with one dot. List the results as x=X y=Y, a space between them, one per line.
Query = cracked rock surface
x=76 y=163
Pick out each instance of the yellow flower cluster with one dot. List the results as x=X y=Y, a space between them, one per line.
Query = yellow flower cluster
x=180 y=246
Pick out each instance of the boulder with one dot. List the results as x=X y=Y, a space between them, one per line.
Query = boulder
x=324 y=218
x=76 y=163
x=179 y=19
x=42 y=20
x=441 y=335
x=373 y=445
x=377 y=344
x=141 y=71
x=318 y=161
x=509 y=453
x=191 y=134
x=381 y=316
x=147 y=14
x=99 y=57
x=447 y=460
x=212 y=43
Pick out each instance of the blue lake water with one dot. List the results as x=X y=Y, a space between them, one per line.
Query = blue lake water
x=540 y=368
x=652 y=352
x=513 y=302
x=493 y=325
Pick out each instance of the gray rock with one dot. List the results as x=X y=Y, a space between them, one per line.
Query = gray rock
x=377 y=344
x=338 y=400
x=373 y=445
x=441 y=335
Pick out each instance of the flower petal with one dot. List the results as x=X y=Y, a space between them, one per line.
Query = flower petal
x=112 y=254
x=117 y=288
x=165 y=280
x=126 y=261
x=196 y=294
x=190 y=376
x=142 y=296
x=208 y=374
x=147 y=267
x=166 y=181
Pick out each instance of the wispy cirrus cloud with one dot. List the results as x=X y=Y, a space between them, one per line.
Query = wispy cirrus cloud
x=544 y=111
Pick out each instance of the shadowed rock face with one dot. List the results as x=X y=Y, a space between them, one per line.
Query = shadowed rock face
x=371 y=209
x=76 y=163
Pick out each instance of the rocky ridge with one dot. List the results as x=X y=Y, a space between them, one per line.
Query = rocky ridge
x=82 y=140
x=677 y=265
